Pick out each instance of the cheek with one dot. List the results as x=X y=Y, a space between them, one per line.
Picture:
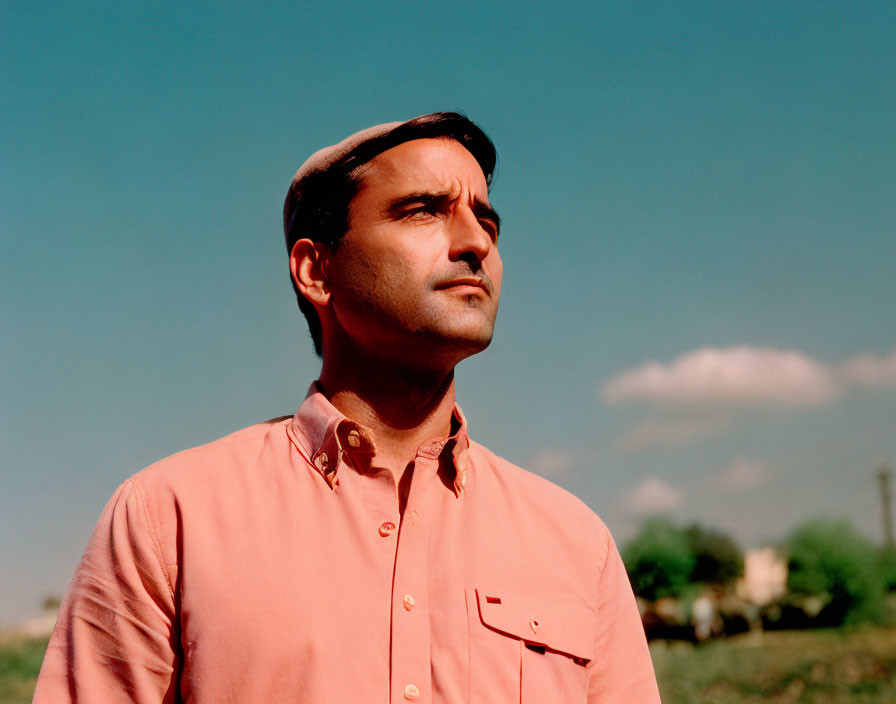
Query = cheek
x=495 y=270
x=376 y=280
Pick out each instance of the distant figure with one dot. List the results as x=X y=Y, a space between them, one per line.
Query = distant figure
x=364 y=549
x=703 y=614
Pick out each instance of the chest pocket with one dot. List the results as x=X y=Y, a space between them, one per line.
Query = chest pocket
x=528 y=649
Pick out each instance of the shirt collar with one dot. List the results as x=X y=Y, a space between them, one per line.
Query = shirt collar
x=329 y=440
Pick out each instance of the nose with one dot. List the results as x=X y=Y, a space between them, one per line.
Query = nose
x=469 y=239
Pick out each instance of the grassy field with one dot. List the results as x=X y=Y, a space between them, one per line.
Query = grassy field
x=19 y=665
x=789 y=666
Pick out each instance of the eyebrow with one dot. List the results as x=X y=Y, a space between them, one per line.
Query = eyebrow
x=440 y=199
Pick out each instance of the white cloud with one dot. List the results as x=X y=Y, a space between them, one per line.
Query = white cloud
x=722 y=380
x=742 y=473
x=745 y=375
x=724 y=376
x=653 y=495
x=670 y=432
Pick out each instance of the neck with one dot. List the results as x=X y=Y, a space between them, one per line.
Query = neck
x=402 y=408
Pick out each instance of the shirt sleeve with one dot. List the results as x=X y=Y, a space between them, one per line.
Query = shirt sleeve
x=622 y=671
x=115 y=637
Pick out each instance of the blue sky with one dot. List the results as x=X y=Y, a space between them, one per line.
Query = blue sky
x=709 y=189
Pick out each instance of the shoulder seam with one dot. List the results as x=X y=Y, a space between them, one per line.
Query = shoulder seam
x=603 y=567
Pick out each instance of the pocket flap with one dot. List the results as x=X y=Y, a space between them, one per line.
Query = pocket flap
x=558 y=625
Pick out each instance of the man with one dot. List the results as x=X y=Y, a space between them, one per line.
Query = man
x=364 y=550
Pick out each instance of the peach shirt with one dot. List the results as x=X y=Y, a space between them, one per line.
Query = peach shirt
x=273 y=566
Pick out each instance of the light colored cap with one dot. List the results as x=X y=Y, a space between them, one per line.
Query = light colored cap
x=324 y=158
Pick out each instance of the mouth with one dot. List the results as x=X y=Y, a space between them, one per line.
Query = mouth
x=465 y=284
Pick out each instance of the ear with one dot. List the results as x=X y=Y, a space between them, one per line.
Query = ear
x=307 y=266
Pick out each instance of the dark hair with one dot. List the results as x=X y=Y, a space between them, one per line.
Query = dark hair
x=318 y=208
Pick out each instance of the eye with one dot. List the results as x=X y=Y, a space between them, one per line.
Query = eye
x=490 y=227
x=421 y=213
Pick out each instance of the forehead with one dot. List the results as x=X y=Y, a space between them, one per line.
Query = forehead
x=440 y=164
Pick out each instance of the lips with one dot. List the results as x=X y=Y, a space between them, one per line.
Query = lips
x=480 y=282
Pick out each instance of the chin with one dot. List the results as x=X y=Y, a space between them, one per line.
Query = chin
x=452 y=337
x=470 y=344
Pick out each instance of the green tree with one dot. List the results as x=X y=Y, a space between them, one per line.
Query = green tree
x=717 y=558
x=658 y=560
x=888 y=567
x=828 y=558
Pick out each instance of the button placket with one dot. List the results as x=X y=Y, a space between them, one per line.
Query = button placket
x=411 y=666
x=378 y=496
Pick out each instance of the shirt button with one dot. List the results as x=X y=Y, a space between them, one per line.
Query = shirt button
x=354 y=438
x=409 y=602
x=387 y=529
x=411 y=692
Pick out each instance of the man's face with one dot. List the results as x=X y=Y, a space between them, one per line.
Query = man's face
x=417 y=276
